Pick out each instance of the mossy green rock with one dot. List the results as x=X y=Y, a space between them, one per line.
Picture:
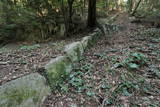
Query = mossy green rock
x=98 y=32
x=91 y=39
x=95 y=36
x=86 y=42
x=74 y=51
x=57 y=70
x=28 y=91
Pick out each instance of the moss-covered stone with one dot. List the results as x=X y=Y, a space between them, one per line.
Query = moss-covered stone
x=57 y=70
x=96 y=35
x=74 y=51
x=28 y=91
x=86 y=42
x=98 y=32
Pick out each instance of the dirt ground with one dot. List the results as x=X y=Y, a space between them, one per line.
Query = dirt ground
x=121 y=70
x=19 y=59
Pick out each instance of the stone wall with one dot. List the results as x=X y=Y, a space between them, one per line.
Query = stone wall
x=31 y=90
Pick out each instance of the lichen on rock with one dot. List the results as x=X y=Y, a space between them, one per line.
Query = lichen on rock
x=74 y=51
x=27 y=91
x=86 y=42
x=57 y=70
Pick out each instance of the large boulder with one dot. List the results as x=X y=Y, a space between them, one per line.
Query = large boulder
x=74 y=51
x=57 y=70
x=27 y=91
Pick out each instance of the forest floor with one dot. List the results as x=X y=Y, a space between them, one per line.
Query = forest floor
x=19 y=59
x=121 y=70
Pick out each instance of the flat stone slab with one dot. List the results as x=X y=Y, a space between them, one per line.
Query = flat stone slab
x=27 y=91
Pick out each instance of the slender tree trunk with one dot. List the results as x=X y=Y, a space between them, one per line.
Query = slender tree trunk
x=70 y=5
x=70 y=12
x=64 y=17
x=134 y=11
x=84 y=3
x=92 y=13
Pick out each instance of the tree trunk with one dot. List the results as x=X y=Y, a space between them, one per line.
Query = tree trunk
x=92 y=13
x=84 y=5
x=134 y=11
x=70 y=3
x=70 y=11
x=64 y=17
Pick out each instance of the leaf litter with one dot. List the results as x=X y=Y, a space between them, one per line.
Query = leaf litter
x=121 y=70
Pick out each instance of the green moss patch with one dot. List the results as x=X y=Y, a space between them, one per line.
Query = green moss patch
x=57 y=70
x=27 y=91
x=74 y=51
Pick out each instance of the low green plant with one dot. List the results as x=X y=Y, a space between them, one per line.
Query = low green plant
x=114 y=59
x=155 y=71
x=90 y=93
x=87 y=67
x=100 y=55
x=134 y=61
x=25 y=47
x=76 y=81
x=151 y=32
x=127 y=88
x=64 y=88
x=105 y=86
x=109 y=101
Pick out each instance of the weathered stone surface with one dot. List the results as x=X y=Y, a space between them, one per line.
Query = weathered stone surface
x=102 y=21
x=104 y=29
x=95 y=35
x=74 y=51
x=86 y=42
x=57 y=70
x=28 y=91
x=98 y=32
x=62 y=30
